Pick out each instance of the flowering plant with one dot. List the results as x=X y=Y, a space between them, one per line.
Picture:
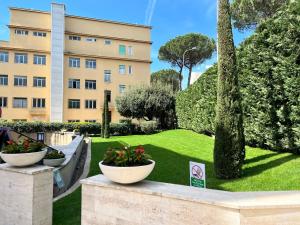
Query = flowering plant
x=126 y=156
x=25 y=146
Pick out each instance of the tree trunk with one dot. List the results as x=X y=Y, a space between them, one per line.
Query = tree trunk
x=180 y=78
x=229 y=145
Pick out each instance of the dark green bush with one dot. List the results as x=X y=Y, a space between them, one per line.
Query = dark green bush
x=269 y=75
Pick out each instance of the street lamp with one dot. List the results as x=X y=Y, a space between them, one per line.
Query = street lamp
x=183 y=56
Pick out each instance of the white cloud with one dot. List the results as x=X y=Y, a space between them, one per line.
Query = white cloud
x=149 y=11
x=208 y=66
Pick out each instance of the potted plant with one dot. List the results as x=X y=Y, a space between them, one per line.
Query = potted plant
x=126 y=165
x=54 y=158
x=23 y=153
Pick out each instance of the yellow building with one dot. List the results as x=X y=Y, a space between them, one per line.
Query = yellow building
x=55 y=67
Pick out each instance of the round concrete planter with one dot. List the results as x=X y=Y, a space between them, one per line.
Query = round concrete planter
x=23 y=159
x=53 y=162
x=126 y=175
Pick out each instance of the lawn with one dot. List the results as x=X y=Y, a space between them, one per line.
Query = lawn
x=172 y=150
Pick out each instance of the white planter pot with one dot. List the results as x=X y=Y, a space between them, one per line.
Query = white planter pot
x=53 y=162
x=126 y=175
x=23 y=159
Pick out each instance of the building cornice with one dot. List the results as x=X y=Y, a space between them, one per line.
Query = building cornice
x=24 y=49
x=28 y=28
x=107 y=57
x=81 y=34
x=84 y=18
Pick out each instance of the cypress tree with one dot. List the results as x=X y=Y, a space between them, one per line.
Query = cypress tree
x=103 y=122
x=106 y=116
x=229 y=146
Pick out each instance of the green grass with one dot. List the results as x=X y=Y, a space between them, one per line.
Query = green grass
x=172 y=150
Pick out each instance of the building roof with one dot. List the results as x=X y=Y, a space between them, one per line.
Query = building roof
x=81 y=17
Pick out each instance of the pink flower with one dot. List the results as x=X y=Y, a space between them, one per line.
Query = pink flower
x=139 y=150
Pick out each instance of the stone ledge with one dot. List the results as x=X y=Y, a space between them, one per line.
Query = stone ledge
x=233 y=200
x=32 y=170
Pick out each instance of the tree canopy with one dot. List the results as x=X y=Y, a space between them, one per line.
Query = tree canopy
x=167 y=77
x=174 y=50
x=148 y=102
x=248 y=14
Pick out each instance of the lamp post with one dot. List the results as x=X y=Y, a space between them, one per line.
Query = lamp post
x=183 y=56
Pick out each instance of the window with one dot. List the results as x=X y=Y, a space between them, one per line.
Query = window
x=130 y=50
x=3 y=101
x=74 y=38
x=130 y=71
x=40 y=137
x=108 y=96
x=109 y=116
x=122 y=69
x=122 y=88
x=3 y=80
x=90 y=84
x=107 y=76
x=4 y=57
x=90 y=121
x=74 y=83
x=74 y=62
x=107 y=42
x=74 y=104
x=21 y=32
x=73 y=121
x=122 y=50
x=39 y=82
x=38 y=103
x=20 y=81
x=90 y=104
x=39 y=59
x=39 y=34
x=89 y=39
x=21 y=58
x=20 y=103
x=90 y=63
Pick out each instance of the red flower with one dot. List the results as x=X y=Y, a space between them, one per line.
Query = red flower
x=139 y=150
x=10 y=142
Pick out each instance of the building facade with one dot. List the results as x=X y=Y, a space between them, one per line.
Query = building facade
x=55 y=67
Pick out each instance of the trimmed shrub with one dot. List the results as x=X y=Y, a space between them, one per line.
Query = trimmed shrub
x=149 y=127
x=269 y=75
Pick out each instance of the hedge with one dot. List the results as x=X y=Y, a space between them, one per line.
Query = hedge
x=269 y=75
x=123 y=128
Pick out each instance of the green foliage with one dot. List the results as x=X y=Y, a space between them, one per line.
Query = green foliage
x=269 y=75
x=54 y=154
x=174 y=50
x=149 y=127
x=249 y=13
x=126 y=156
x=148 y=102
x=122 y=128
x=106 y=131
x=229 y=150
x=195 y=107
x=33 y=127
x=25 y=146
x=167 y=77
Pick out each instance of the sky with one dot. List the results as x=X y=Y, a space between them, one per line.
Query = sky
x=169 y=18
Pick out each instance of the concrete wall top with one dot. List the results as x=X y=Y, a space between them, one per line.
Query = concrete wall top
x=234 y=200
x=26 y=170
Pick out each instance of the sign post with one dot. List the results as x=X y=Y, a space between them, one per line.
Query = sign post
x=197 y=175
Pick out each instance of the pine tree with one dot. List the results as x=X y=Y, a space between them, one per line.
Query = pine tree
x=106 y=132
x=229 y=146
